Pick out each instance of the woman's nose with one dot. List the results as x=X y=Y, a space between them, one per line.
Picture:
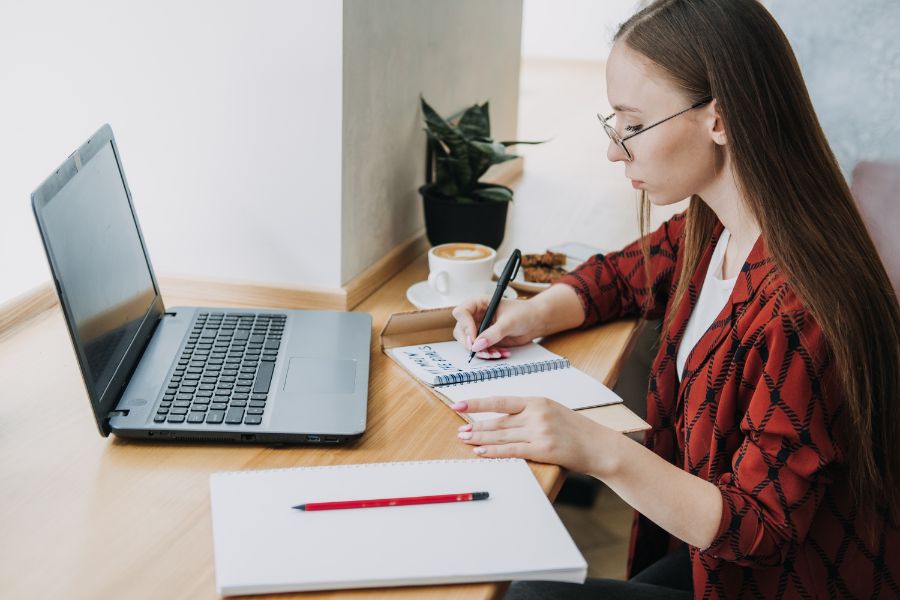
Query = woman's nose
x=614 y=153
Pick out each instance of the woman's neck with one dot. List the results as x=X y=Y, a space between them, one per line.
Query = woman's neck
x=723 y=197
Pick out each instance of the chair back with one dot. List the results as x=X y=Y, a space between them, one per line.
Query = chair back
x=876 y=188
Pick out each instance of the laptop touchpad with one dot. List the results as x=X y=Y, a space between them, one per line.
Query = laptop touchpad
x=320 y=375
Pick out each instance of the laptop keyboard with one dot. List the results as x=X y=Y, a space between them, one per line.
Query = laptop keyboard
x=224 y=371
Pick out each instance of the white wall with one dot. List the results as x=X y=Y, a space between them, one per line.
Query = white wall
x=227 y=114
x=850 y=58
x=572 y=29
x=233 y=122
x=455 y=53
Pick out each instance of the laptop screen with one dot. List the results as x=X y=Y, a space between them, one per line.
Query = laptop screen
x=100 y=263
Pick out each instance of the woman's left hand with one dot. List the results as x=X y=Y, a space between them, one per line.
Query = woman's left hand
x=541 y=430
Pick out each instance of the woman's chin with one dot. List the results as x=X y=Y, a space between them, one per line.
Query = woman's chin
x=657 y=199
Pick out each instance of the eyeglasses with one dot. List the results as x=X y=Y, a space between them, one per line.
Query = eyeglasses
x=620 y=141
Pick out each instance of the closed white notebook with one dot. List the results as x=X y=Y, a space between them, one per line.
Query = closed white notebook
x=262 y=545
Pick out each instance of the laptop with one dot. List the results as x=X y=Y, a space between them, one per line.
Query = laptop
x=187 y=373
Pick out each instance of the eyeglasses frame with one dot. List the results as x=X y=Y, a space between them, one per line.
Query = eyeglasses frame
x=620 y=141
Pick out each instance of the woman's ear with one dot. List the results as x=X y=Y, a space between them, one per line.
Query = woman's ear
x=716 y=123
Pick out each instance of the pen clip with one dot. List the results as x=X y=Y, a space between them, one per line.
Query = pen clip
x=518 y=256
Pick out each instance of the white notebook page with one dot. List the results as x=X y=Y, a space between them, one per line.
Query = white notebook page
x=426 y=361
x=263 y=545
x=570 y=387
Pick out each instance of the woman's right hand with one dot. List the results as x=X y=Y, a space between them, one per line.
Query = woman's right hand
x=516 y=322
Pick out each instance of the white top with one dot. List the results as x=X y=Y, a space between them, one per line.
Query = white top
x=715 y=293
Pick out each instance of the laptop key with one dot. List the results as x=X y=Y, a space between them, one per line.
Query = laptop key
x=234 y=415
x=263 y=378
x=214 y=417
x=255 y=411
x=175 y=419
x=252 y=420
x=196 y=417
x=159 y=418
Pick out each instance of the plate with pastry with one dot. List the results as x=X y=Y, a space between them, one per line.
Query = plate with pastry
x=539 y=270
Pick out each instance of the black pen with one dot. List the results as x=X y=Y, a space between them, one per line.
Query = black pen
x=509 y=271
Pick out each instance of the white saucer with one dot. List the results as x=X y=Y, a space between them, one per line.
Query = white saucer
x=422 y=296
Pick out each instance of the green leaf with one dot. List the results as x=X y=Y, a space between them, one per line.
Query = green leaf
x=434 y=141
x=481 y=157
x=460 y=168
x=497 y=153
x=494 y=194
x=475 y=122
x=513 y=143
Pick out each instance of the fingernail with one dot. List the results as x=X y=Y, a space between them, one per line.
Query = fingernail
x=495 y=354
x=466 y=427
x=460 y=406
x=479 y=345
x=465 y=435
x=479 y=450
x=505 y=353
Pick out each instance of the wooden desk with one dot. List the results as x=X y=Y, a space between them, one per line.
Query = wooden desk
x=82 y=516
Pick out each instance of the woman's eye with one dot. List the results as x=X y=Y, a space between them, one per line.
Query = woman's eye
x=633 y=128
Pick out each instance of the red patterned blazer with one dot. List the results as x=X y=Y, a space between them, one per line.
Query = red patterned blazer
x=758 y=413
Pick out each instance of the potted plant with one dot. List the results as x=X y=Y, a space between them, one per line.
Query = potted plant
x=458 y=207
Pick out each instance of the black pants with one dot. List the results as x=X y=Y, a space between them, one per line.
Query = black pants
x=669 y=577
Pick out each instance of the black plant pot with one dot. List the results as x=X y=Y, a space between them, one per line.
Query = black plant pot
x=447 y=220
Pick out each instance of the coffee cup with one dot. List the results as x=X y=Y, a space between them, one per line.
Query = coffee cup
x=459 y=271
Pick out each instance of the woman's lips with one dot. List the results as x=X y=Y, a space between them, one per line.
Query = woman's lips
x=636 y=183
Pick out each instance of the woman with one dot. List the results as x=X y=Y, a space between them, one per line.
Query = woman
x=773 y=465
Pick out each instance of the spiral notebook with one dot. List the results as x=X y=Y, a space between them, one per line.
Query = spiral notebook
x=262 y=545
x=422 y=343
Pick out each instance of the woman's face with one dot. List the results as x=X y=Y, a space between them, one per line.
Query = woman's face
x=673 y=160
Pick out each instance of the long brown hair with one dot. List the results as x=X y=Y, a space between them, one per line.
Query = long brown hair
x=735 y=52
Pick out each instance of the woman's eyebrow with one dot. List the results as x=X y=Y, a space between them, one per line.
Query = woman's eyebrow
x=624 y=108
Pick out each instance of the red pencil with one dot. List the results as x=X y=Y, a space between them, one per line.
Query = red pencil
x=393 y=501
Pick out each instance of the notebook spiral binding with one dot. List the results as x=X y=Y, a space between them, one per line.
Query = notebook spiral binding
x=502 y=371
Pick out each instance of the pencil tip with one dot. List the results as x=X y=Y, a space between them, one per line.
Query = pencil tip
x=300 y=507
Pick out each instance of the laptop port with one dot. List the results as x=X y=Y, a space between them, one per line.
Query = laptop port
x=332 y=439
x=313 y=438
x=248 y=437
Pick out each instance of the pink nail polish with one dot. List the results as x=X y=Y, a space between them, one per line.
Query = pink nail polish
x=479 y=450
x=460 y=407
x=466 y=427
x=479 y=345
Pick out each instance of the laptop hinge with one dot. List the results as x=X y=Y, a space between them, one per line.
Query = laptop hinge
x=116 y=413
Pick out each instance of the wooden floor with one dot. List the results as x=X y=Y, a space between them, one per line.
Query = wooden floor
x=601 y=532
